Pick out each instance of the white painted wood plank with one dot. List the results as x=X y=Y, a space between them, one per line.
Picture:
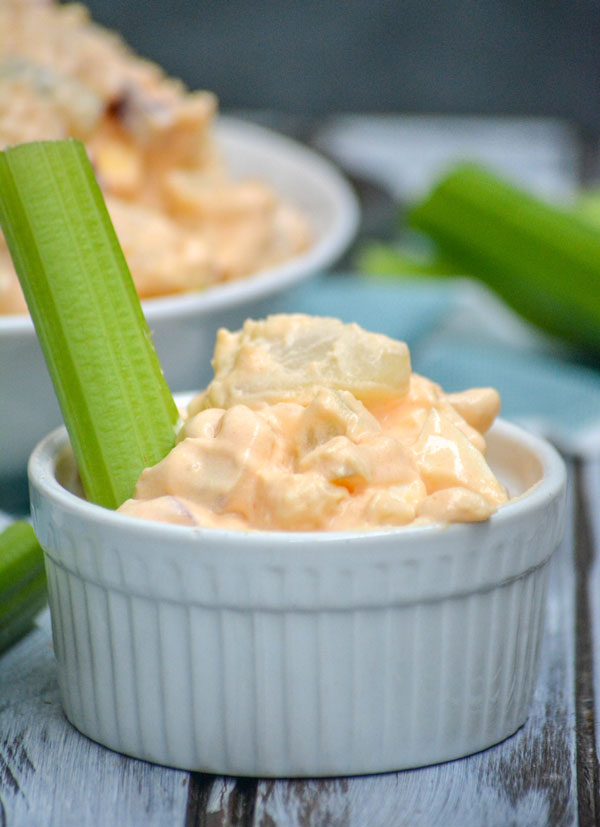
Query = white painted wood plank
x=51 y=775
x=530 y=779
x=592 y=488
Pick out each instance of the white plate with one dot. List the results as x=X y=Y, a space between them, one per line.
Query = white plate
x=184 y=327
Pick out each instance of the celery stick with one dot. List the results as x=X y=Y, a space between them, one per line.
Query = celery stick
x=21 y=557
x=380 y=259
x=116 y=404
x=587 y=207
x=22 y=581
x=542 y=260
x=18 y=613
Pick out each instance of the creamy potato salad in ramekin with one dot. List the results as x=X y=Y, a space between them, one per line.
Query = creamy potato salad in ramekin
x=311 y=424
x=184 y=223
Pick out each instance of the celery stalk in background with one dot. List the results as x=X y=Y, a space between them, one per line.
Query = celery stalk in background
x=542 y=260
x=22 y=581
x=116 y=404
x=587 y=207
x=394 y=260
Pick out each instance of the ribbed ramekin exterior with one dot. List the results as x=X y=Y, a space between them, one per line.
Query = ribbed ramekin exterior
x=297 y=655
x=293 y=691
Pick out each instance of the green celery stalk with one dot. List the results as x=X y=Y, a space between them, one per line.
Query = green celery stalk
x=587 y=207
x=542 y=260
x=380 y=259
x=22 y=581
x=115 y=402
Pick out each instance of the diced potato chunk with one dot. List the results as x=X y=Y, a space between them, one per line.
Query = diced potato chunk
x=288 y=357
x=330 y=414
x=455 y=505
x=446 y=459
x=306 y=500
x=477 y=406
x=218 y=469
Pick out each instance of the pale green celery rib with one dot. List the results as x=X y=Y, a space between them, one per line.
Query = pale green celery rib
x=25 y=600
x=541 y=260
x=22 y=581
x=381 y=259
x=17 y=614
x=21 y=558
x=559 y=235
x=116 y=404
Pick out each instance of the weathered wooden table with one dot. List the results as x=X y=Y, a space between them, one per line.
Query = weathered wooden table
x=546 y=774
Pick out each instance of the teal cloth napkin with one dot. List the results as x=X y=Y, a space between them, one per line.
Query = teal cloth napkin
x=461 y=336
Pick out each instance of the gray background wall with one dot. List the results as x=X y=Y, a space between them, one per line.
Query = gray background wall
x=464 y=56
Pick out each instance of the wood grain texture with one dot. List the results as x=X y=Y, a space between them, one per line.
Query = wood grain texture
x=51 y=775
x=587 y=762
x=588 y=520
x=228 y=802
x=591 y=475
x=199 y=788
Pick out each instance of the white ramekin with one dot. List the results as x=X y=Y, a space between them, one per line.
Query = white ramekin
x=299 y=654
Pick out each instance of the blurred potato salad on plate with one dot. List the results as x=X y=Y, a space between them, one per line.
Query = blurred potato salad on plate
x=183 y=221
